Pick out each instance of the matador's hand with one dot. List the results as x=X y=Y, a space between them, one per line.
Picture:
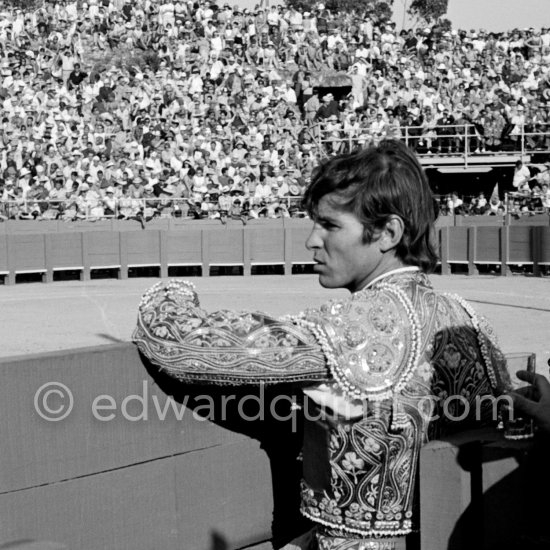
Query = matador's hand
x=181 y=293
x=538 y=407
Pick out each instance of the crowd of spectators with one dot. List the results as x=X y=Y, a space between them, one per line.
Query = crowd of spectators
x=530 y=195
x=226 y=111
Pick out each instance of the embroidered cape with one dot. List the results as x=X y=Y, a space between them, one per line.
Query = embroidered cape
x=394 y=365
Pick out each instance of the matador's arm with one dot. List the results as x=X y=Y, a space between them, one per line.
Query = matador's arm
x=368 y=344
x=224 y=347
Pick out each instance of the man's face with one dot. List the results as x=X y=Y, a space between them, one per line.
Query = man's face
x=343 y=259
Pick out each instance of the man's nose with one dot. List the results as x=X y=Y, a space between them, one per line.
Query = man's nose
x=314 y=240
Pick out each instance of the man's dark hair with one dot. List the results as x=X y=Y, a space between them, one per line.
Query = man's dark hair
x=377 y=183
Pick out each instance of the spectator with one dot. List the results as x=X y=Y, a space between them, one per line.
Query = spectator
x=328 y=108
x=454 y=204
x=522 y=176
x=479 y=204
x=543 y=177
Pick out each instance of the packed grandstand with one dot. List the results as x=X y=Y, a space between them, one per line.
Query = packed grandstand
x=138 y=109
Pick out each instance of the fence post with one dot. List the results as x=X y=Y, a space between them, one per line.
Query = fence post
x=472 y=250
x=247 y=266
x=86 y=274
x=163 y=254
x=123 y=254
x=536 y=241
x=10 y=277
x=205 y=253
x=444 y=244
x=505 y=250
x=288 y=250
x=47 y=276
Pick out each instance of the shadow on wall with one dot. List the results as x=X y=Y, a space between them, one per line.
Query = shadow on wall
x=218 y=542
x=280 y=440
x=27 y=544
x=505 y=516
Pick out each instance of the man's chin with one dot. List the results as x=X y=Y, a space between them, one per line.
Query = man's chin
x=327 y=282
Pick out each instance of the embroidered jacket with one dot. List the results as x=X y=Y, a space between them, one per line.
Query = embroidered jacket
x=396 y=364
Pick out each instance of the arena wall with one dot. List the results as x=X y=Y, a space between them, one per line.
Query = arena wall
x=45 y=247
x=138 y=481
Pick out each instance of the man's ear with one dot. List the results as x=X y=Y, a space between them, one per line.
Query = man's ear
x=391 y=233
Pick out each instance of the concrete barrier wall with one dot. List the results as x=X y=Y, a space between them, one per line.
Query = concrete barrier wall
x=122 y=484
x=139 y=475
x=504 y=246
x=279 y=243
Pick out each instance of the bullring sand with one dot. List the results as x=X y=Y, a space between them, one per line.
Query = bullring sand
x=39 y=317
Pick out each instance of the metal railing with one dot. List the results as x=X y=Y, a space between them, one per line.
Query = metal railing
x=125 y=208
x=522 y=202
x=463 y=141
x=145 y=209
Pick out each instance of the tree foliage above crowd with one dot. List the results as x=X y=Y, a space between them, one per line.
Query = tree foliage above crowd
x=428 y=10
x=380 y=10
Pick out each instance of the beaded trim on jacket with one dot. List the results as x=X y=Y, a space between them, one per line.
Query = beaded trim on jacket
x=224 y=347
x=482 y=336
x=376 y=298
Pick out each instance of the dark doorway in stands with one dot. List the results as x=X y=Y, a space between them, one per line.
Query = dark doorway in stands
x=470 y=183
